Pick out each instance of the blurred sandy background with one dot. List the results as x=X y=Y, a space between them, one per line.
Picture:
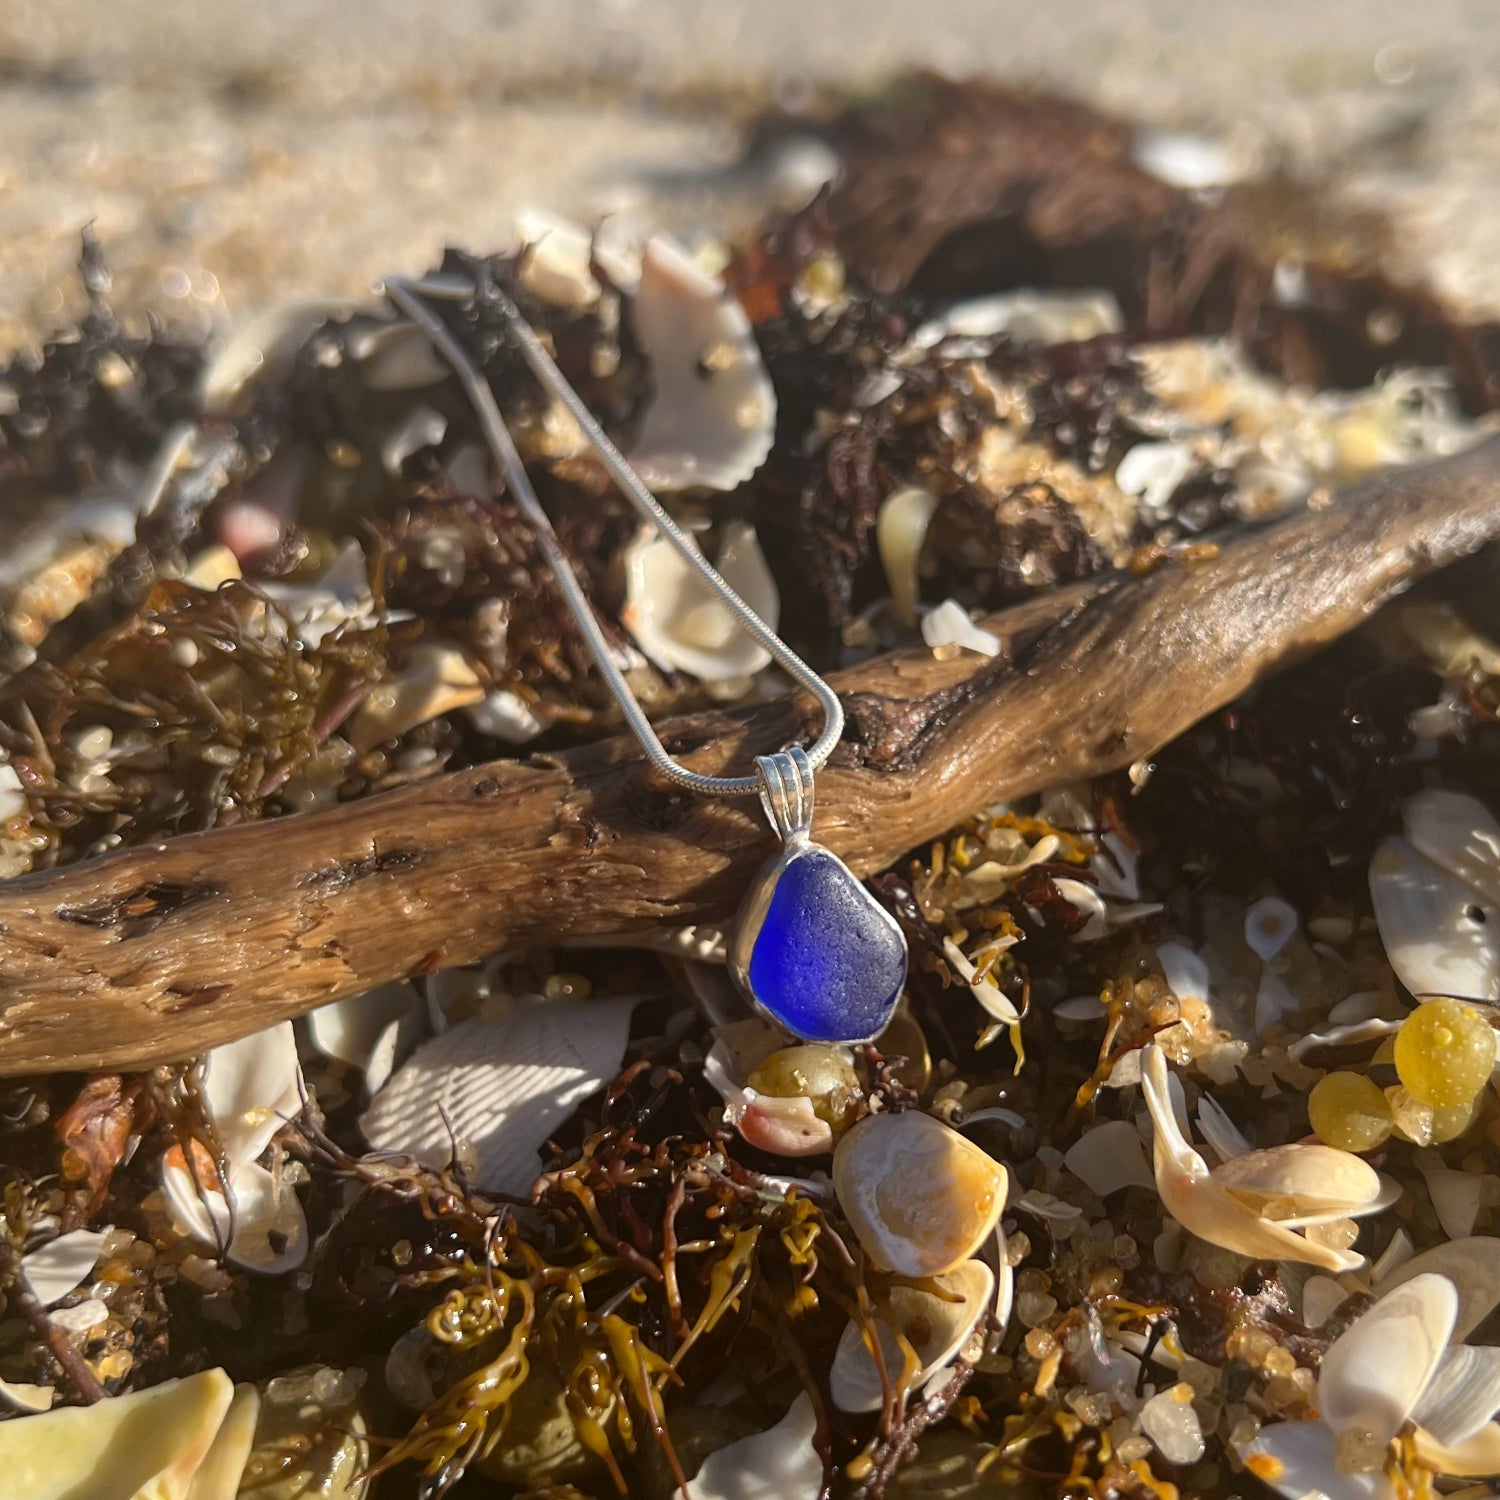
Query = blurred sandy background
x=234 y=152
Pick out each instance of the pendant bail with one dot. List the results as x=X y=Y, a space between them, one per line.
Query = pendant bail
x=786 y=793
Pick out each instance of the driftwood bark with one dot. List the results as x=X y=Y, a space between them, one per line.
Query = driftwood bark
x=160 y=951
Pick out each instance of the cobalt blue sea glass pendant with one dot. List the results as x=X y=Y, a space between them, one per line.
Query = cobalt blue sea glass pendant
x=814 y=951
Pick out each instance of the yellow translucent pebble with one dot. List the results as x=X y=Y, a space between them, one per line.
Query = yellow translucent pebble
x=1349 y=1111
x=1445 y=1053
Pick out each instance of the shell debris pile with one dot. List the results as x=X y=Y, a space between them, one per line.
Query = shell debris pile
x=1177 y=1171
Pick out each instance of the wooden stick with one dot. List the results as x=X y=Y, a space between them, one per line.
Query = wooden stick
x=159 y=951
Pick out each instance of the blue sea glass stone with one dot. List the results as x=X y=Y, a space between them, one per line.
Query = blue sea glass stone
x=827 y=962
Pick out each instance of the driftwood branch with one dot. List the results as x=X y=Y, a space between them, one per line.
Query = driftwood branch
x=159 y=951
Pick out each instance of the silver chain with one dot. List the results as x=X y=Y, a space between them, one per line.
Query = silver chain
x=409 y=297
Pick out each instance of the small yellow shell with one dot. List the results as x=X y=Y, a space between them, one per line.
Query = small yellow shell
x=920 y=1196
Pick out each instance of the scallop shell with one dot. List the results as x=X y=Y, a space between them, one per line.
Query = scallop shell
x=500 y=1088
x=920 y=1196
x=713 y=418
x=1442 y=936
x=680 y=623
x=937 y=1324
x=152 y=1442
x=778 y=1464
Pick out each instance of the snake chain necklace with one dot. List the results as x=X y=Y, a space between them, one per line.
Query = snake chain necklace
x=812 y=950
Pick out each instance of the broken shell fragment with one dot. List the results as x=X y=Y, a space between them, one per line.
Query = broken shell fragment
x=936 y=1324
x=900 y=530
x=920 y=1196
x=1471 y=1264
x=499 y=1089
x=683 y=625
x=713 y=418
x=56 y=1268
x=778 y=1464
x=1459 y=833
x=150 y=1443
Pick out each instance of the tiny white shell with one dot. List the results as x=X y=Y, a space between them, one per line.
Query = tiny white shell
x=435 y=679
x=778 y=1464
x=1456 y=1198
x=1027 y=315
x=1109 y=1157
x=1219 y=1130
x=12 y=798
x=1184 y=970
x=900 y=529
x=949 y=624
x=1320 y=1296
x=500 y=1088
x=994 y=1001
x=22 y=1395
x=56 y=1268
x=920 y=1196
x=1375 y=1372
x=1270 y=924
x=713 y=418
x=680 y=623
x=937 y=1324
x=1300 y=1460
x=1154 y=471
x=1440 y=935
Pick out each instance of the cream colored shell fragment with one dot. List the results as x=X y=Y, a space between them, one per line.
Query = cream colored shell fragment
x=149 y=1445
x=713 y=418
x=684 y=626
x=251 y=1087
x=778 y=1464
x=499 y=1088
x=1231 y=1205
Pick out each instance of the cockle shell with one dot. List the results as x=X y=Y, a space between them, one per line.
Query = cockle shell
x=1441 y=935
x=683 y=625
x=499 y=1088
x=251 y=1088
x=921 y=1197
x=778 y=1464
x=713 y=418
x=936 y=1323
x=151 y=1444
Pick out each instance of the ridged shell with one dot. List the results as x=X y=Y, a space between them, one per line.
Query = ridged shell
x=500 y=1088
x=1441 y=936
x=921 y=1197
x=936 y=1324
x=1463 y=1394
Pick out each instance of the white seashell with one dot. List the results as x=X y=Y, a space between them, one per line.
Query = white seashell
x=56 y=1268
x=936 y=1325
x=994 y=1001
x=500 y=1088
x=1187 y=160
x=150 y=1443
x=1459 y=833
x=555 y=267
x=435 y=679
x=1080 y=1008
x=900 y=530
x=779 y=1464
x=1270 y=924
x=949 y=624
x=1322 y=1181
x=1090 y=904
x=1219 y=1130
x=1342 y=1036
x=1395 y=1255
x=1321 y=1295
x=1300 y=1460
x=82 y=1316
x=713 y=418
x=262 y=347
x=1028 y=316
x=1154 y=471
x=1184 y=970
x=1472 y=1265
x=22 y=1396
x=1273 y=1000
x=12 y=798
x=1440 y=935
x=680 y=623
x=350 y=1030
x=1463 y=1394
x=920 y=1196
x=1116 y=867
x=251 y=1087
x=1206 y=1206
x=1456 y=1198
x=421 y=427
x=1374 y=1373
x=1109 y=1157
x=1170 y=1421
x=506 y=716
